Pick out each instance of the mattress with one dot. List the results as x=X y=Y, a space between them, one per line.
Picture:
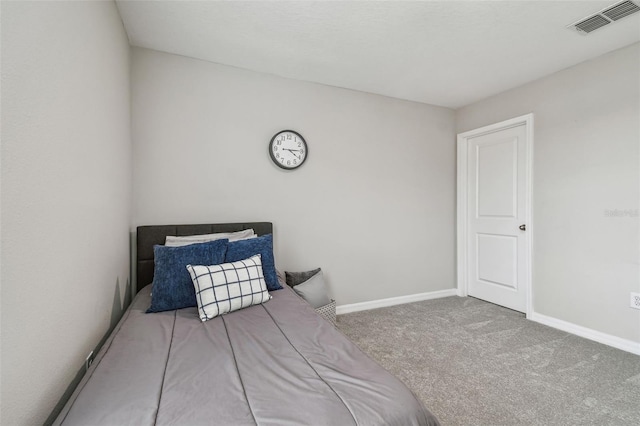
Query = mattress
x=278 y=363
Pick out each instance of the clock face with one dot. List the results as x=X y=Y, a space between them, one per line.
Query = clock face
x=288 y=149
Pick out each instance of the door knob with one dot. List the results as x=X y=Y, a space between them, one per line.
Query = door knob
x=523 y=227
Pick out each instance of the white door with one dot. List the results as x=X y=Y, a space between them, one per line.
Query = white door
x=497 y=243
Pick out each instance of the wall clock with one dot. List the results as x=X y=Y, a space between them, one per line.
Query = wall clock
x=288 y=149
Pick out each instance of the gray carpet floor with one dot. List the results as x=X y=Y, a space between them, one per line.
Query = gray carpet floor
x=475 y=363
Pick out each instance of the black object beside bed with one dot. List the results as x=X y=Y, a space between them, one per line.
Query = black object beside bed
x=277 y=363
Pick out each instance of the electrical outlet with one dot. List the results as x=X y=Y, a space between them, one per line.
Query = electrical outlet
x=88 y=361
x=635 y=300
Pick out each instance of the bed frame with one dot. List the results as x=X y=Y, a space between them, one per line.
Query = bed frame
x=148 y=236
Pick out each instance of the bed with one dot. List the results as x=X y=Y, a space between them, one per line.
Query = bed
x=276 y=363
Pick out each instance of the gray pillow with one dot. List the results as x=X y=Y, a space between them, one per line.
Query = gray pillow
x=295 y=278
x=314 y=291
x=185 y=240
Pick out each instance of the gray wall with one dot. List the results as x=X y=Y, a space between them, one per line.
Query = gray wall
x=586 y=188
x=66 y=190
x=374 y=205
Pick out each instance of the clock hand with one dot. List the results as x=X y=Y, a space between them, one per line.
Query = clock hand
x=292 y=152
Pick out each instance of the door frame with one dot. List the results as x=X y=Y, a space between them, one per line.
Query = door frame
x=462 y=197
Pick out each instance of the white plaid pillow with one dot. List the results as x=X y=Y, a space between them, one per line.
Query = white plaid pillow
x=229 y=286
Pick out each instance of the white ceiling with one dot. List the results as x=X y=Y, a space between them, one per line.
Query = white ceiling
x=448 y=53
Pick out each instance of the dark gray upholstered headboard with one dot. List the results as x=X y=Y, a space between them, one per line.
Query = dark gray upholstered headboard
x=148 y=236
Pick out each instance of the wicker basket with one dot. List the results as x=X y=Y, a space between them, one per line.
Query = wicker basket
x=328 y=311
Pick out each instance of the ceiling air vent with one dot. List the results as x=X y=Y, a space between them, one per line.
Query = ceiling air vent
x=621 y=10
x=605 y=17
x=591 y=24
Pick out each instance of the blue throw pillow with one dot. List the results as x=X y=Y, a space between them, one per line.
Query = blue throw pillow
x=172 y=285
x=240 y=250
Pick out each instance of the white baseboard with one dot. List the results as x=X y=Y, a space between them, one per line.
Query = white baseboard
x=382 y=303
x=587 y=333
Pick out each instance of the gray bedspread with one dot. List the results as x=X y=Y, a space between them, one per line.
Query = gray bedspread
x=273 y=364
